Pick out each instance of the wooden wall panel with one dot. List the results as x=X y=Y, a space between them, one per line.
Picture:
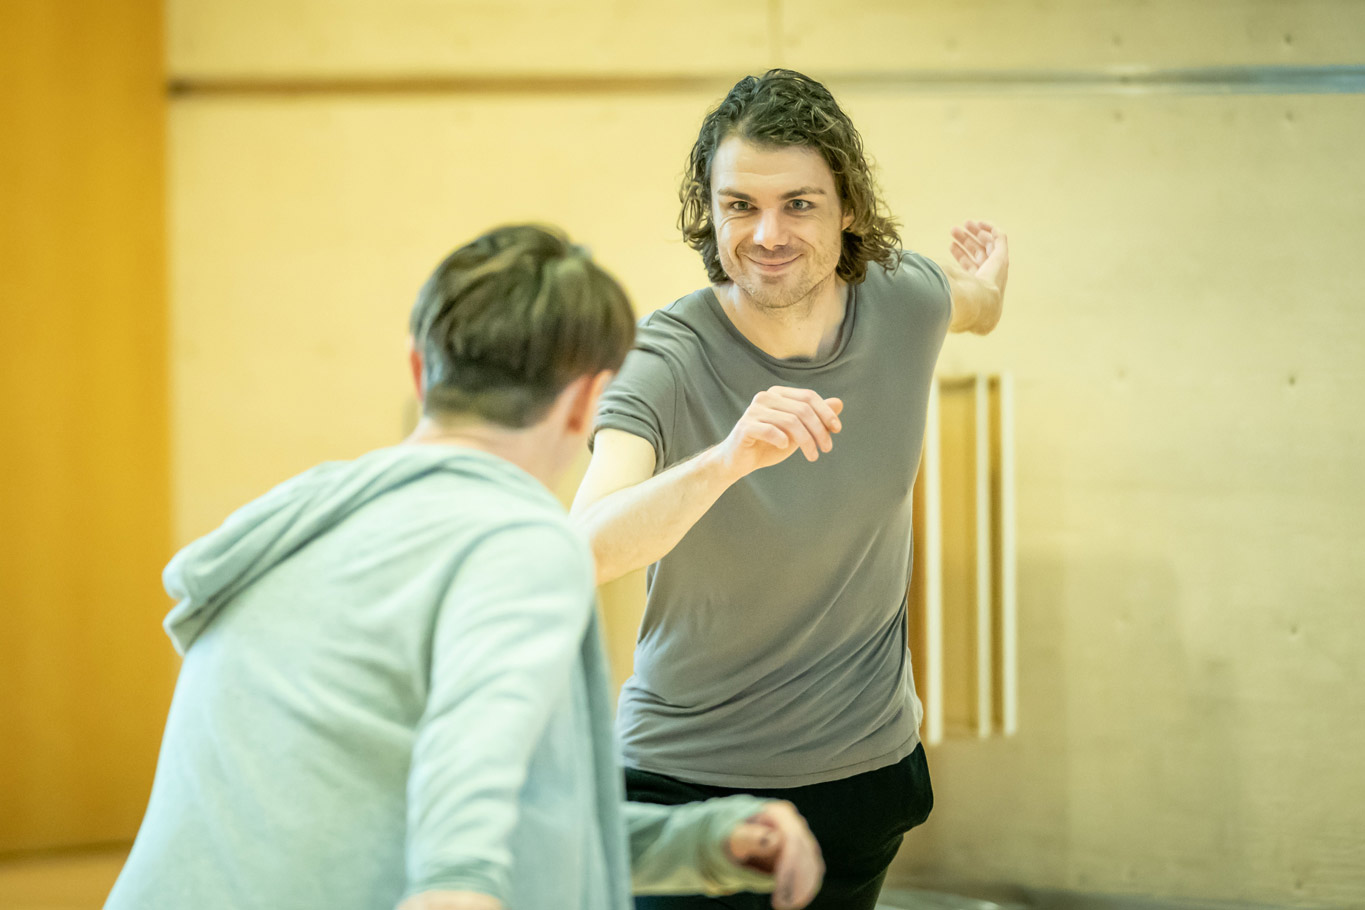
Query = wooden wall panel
x=85 y=671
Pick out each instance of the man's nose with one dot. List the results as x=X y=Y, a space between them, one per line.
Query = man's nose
x=769 y=233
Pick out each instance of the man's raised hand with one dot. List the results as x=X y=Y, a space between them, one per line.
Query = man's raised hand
x=982 y=249
x=777 y=422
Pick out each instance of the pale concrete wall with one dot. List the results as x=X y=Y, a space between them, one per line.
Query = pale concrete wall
x=1184 y=324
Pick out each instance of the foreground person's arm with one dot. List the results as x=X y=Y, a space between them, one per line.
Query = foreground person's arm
x=506 y=641
x=722 y=846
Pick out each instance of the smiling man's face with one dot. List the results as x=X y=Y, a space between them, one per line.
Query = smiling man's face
x=779 y=224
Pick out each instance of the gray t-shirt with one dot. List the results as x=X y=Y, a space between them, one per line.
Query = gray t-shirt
x=772 y=652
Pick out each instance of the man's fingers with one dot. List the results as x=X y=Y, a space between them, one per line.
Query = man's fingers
x=757 y=432
x=988 y=235
x=971 y=244
x=796 y=431
x=780 y=430
x=827 y=414
x=797 y=876
x=791 y=882
x=810 y=420
x=755 y=845
x=963 y=257
x=785 y=418
x=798 y=868
x=800 y=413
x=999 y=240
x=783 y=848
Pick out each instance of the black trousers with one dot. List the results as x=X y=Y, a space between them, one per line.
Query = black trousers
x=858 y=821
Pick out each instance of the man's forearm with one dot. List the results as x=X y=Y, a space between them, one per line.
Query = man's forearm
x=976 y=275
x=636 y=526
x=987 y=303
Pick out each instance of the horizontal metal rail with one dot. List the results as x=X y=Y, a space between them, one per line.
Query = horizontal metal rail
x=1133 y=80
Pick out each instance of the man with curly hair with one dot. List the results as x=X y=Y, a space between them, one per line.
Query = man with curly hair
x=772 y=656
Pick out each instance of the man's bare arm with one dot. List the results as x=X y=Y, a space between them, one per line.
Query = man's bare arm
x=977 y=273
x=633 y=517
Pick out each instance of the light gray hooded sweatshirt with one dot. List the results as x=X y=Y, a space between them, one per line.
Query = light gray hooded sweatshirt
x=394 y=681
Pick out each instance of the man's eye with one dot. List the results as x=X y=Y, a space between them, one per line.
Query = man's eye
x=800 y=204
x=739 y=206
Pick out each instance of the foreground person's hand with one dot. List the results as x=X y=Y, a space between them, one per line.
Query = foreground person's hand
x=450 y=900
x=777 y=841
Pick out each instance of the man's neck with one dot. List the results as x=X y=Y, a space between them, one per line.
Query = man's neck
x=527 y=449
x=807 y=329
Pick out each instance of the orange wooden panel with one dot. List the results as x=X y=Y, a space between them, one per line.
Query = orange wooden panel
x=85 y=672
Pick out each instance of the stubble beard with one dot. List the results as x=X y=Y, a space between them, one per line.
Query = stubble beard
x=791 y=297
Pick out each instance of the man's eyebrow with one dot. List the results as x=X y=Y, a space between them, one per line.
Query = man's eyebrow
x=803 y=191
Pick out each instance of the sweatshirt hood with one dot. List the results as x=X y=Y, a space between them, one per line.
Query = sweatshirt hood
x=209 y=572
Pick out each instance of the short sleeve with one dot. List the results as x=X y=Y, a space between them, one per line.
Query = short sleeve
x=642 y=400
x=921 y=279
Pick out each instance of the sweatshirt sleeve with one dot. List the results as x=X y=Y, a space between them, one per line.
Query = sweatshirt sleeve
x=504 y=646
x=681 y=849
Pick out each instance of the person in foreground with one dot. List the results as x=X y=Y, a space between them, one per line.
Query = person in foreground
x=772 y=655
x=394 y=691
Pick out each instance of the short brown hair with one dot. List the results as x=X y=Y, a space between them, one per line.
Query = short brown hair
x=785 y=108
x=508 y=320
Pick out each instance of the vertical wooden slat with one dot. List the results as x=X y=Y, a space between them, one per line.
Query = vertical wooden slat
x=1004 y=611
x=981 y=505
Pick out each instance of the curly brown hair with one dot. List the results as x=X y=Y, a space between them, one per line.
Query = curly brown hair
x=785 y=108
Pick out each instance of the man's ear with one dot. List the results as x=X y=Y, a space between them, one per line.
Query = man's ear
x=415 y=364
x=586 y=390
